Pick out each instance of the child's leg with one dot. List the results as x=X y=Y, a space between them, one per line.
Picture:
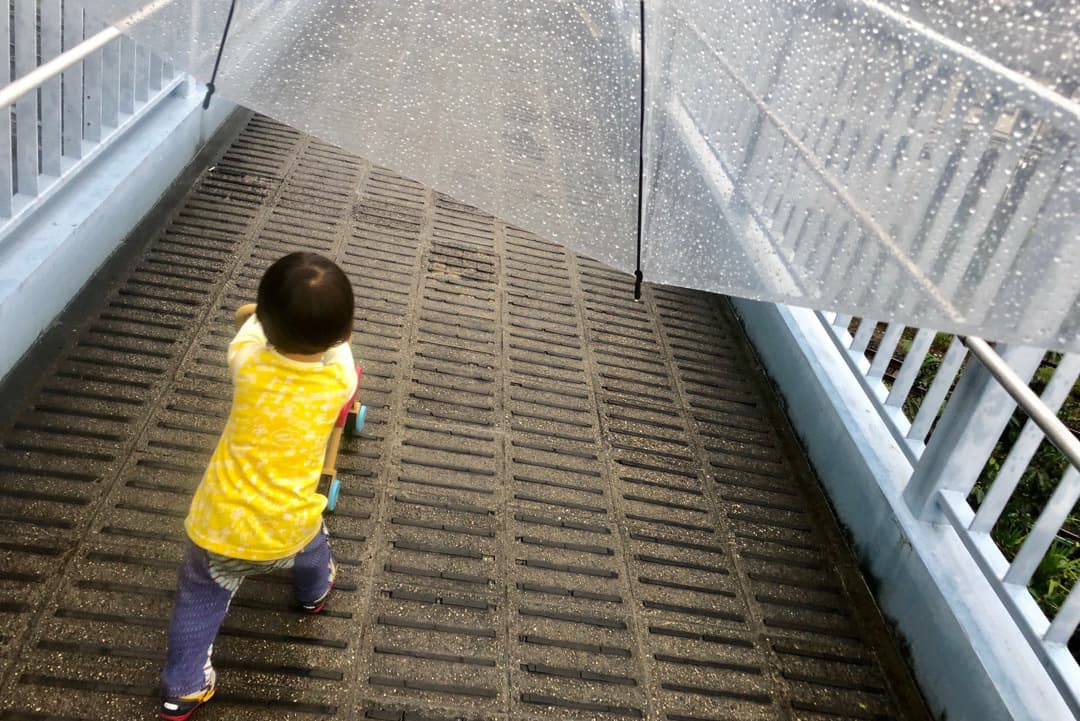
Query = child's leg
x=313 y=570
x=200 y=607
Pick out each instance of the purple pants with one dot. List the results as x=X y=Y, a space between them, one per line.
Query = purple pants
x=205 y=586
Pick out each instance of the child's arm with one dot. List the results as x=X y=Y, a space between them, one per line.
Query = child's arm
x=243 y=313
x=249 y=337
x=341 y=355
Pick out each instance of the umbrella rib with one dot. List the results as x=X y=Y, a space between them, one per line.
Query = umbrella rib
x=638 y=275
x=210 y=87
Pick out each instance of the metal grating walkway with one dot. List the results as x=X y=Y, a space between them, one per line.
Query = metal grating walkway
x=566 y=505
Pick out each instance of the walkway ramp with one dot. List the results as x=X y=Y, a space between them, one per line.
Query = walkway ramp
x=565 y=505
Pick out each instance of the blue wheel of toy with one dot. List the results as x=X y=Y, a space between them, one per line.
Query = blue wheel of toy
x=358 y=426
x=332 y=497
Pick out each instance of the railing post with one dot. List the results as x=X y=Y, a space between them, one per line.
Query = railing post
x=966 y=434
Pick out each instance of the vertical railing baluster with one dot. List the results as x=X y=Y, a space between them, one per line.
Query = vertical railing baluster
x=991 y=196
x=1046 y=529
x=6 y=177
x=155 y=73
x=885 y=350
x=127 y=76
x=110 y=85
x=26 y=109
x=1019 y=458
x=1045 y=168
x=73 y=82
x=1066 y=620
x=939 y=388
x=863 y=335
x=920 y=179
x=909 y=371
x=827 y=250
x=142 y=74
x=92 y=91
x=934 y=238
x=51 y=128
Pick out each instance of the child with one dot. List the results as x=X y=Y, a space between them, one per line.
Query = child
x=257 y=509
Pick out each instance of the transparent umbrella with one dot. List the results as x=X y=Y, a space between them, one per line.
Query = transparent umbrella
x=904 y=161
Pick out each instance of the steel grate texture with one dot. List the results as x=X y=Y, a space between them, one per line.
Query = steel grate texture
x=566 y=505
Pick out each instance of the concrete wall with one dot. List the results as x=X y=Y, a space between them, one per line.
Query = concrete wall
x=52 y=253
x=967 y=654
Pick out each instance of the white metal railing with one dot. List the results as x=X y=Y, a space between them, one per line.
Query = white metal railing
x=868 y=163
x=964 y=407
x=76 y=88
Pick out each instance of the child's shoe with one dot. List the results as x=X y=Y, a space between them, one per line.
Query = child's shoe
x=180 y=708
x=316 y=606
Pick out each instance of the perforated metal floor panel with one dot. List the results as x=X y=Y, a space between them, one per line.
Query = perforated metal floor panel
x=565 y=504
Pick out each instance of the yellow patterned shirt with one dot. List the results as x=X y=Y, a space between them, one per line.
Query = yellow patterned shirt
x=258 y=500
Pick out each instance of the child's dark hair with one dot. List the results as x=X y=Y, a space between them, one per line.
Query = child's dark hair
x=305 y=304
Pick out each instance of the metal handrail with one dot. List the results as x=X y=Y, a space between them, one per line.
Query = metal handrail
x=37 y=77
x=1052 y=426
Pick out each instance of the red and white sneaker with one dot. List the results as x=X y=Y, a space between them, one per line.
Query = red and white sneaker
x=180 y=708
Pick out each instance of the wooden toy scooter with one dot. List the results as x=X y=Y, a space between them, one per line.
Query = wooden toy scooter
x=350 y=421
